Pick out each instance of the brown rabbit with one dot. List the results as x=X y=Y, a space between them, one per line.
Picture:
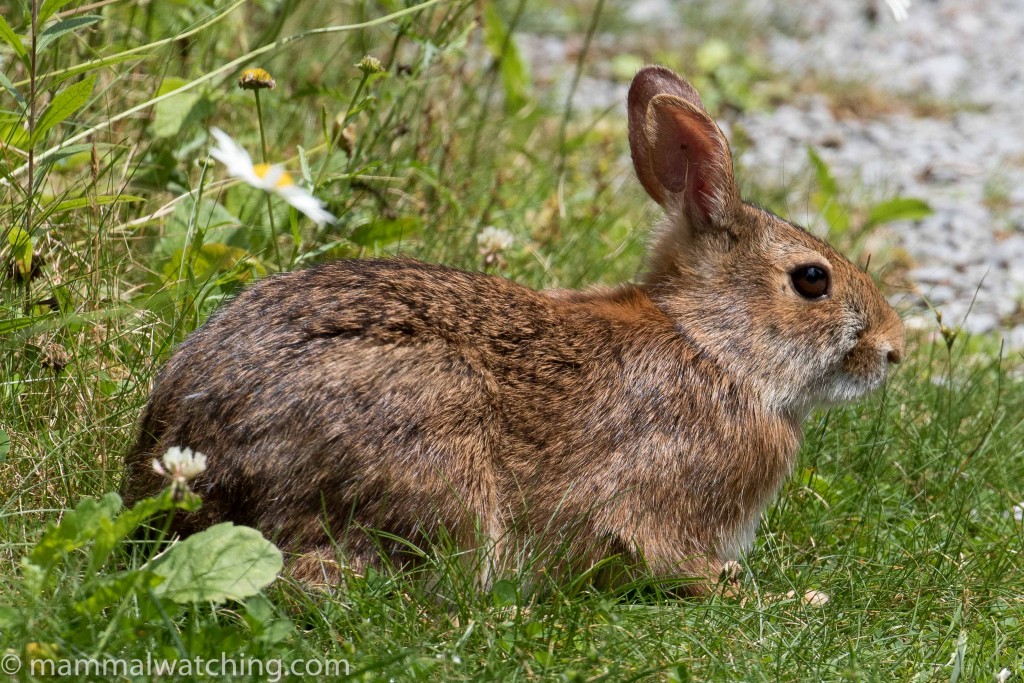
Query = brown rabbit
x=652 y=421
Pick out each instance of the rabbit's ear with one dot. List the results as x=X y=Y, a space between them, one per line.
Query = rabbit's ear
x=678 y=150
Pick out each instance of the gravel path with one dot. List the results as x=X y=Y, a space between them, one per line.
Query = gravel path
x=953 y=137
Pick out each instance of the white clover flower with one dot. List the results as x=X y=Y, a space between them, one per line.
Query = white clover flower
x=492 y=240
x=899 y=8
x=267 y=177
x=180 y=465
x=1004 y=675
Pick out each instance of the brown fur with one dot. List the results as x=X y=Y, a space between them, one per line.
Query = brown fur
x=654 y=421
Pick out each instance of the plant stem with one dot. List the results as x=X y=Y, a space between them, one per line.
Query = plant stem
x=341 y=131
x=485 y=103
x=30 y=191
x=567 y=113
x=270 y=206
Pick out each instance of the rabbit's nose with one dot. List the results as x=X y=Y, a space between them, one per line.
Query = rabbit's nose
x=894 y=357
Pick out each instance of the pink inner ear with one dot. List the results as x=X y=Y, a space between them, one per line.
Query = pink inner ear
x=687 y=157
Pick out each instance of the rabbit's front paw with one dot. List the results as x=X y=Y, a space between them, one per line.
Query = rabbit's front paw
x=729 y=578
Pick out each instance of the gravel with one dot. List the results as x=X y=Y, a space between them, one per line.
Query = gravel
x=967 y=162
x=953 y=135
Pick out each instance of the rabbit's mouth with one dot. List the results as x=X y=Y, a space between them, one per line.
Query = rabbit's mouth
x=843 y=386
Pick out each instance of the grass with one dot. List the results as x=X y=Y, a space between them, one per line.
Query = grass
x=899 y=510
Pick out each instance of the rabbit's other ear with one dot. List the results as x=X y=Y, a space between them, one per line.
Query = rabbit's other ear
x=678 y=151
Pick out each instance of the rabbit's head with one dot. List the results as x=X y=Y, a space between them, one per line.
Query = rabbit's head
x=772 y=304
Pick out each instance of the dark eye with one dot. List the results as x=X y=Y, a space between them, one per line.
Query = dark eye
x=810 y=282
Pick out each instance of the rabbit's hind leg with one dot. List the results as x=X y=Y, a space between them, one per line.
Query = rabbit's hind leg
x=327 y=566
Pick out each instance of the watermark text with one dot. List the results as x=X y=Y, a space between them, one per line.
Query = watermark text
x=272 y=670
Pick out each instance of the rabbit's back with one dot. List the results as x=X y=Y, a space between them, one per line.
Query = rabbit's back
x=351 y=377
x=406 y=397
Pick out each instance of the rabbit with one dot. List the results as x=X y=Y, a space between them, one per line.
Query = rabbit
x=355 y=403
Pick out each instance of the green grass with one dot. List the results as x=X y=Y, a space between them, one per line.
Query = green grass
x=899 y=510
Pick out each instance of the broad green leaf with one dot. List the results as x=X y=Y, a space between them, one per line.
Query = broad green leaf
x=225 y=562
x=170 y=84
x=9 y=87
x=384 y=232
x=147 y=508
x=55 y=31
x=826 y=182
x=515 y=76
x=75 y=529
x=49 y=8
x=111 y=589
x=262 y=617
x=103 y=542
x=504 y=593
x=171 y=114
x=544 y=658
x=5 y=445
x=101 y=200
x=8 y=35
x=109 y=532
x=12 y=136
x=898 y=209
x=21 y=248
x=64 y=104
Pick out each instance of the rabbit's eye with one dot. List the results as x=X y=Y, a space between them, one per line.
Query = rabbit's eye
x=810 y=282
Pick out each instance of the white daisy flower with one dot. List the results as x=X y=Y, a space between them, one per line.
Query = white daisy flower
x=266 y=177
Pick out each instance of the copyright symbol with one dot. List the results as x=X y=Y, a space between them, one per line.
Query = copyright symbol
x=10 y=664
